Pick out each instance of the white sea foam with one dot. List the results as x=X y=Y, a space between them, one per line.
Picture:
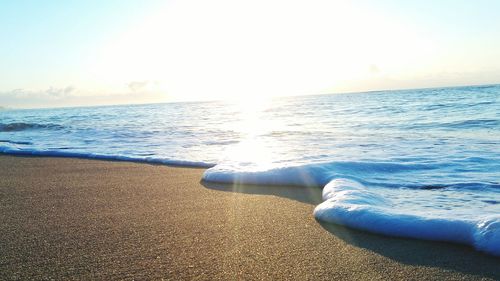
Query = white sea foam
x=58 y=153
x=350 y=203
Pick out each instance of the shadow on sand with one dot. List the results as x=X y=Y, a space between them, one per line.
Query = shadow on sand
x=449 y=256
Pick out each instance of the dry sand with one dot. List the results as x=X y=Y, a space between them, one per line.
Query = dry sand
x=63 y=218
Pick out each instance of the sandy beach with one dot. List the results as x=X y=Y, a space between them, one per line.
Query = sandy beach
x=64 y=218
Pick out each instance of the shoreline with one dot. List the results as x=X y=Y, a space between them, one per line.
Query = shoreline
x=98 y=157
x=73 y=218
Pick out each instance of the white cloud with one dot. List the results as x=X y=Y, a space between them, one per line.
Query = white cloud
x=137 y=86
x=50 y=93
x=146 y=86
x=137 y=92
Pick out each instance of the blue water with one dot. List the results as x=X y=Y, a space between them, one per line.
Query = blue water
x=413 y=163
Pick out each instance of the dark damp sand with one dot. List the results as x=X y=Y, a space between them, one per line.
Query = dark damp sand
x=63 y=218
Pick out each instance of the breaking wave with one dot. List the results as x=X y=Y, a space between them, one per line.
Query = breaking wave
x=20 y=126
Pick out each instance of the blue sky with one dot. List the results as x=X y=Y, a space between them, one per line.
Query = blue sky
x=67 y=53
x=45 y=40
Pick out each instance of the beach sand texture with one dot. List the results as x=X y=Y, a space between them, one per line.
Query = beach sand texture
x=64 y=218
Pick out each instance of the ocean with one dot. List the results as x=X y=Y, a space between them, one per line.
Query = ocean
x=420 y=163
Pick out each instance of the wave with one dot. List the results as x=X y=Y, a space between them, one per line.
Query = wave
x=474 y=123
x=86 y=155
x=319 y=174
x=464 y=124
x=393 y=211
x=20 y=126
x=17 y=142
x=351 y=204
x=348 y=201
x=403 y=209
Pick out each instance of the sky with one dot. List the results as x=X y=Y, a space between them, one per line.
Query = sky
x=80 y=53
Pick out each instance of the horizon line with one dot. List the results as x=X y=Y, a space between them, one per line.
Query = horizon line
x=7 y=108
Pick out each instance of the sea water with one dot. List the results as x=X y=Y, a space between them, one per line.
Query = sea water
x=413 y=163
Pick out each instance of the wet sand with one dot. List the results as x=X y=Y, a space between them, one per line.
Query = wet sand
x=64 y=218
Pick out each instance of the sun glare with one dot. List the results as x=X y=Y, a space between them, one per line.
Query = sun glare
x=237 y=50
x=253 y=126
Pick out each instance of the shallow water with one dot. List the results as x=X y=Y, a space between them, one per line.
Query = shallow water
x=406 y=163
